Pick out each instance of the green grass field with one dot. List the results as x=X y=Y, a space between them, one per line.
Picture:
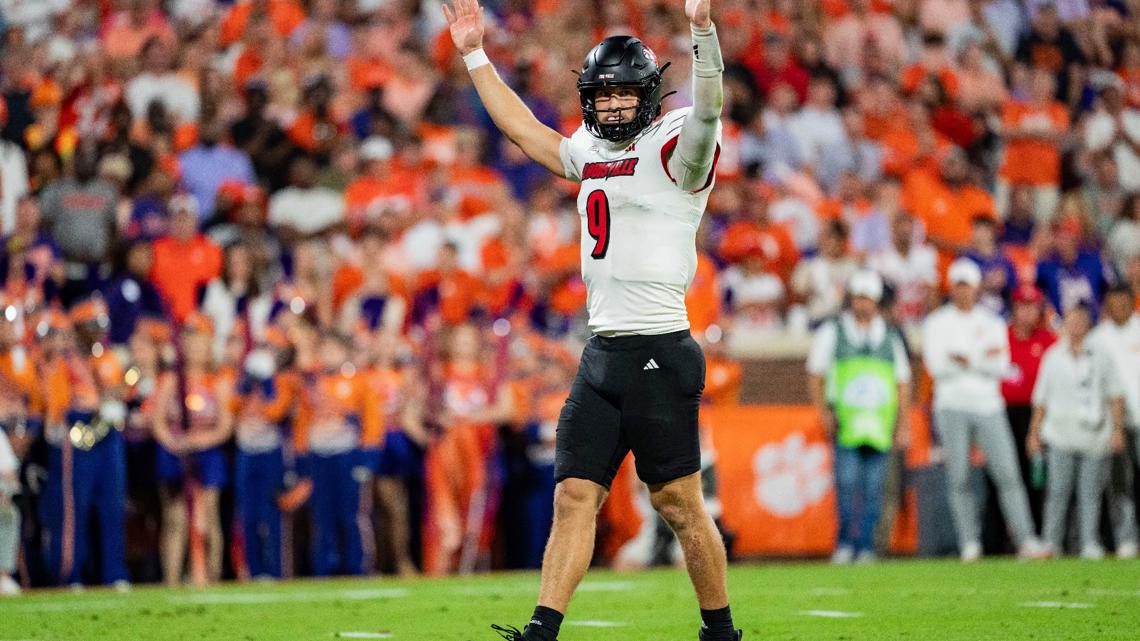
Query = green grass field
x=921 y=600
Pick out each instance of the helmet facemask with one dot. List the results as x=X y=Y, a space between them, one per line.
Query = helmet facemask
x=648 y=108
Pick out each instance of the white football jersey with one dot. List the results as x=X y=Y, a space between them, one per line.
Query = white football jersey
x=639 y=228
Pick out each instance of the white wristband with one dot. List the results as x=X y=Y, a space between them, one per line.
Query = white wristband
x=476 y=59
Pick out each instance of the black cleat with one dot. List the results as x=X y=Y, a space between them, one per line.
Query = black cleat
x=701 y=636
x=509 y=633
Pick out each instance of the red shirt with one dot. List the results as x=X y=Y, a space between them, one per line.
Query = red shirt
x=1025 y=360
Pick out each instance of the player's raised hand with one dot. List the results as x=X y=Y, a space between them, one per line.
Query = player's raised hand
x=465 y=19
x=699 y=12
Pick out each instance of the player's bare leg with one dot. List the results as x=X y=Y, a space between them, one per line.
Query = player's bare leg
x=682 y=505
x=568 y=553
x=571 y=544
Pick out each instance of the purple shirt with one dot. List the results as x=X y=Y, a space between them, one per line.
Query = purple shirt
x=204 y=169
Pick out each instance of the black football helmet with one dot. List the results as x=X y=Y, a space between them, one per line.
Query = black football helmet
x=621 y=61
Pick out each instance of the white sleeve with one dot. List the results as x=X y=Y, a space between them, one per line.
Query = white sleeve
x=995 y=365
x=822 y=353
x=694 y=158
x=935 y=353
x=570 y=168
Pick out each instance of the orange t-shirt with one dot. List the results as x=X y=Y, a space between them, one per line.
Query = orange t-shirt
x=180 y=268
x=568 y=294
x=902 y=152
x=365 y=73
x=774 y=242
x=458 y=293
x=286 y=15
x=365 y=197
x=947 y=213
x=1032 y=161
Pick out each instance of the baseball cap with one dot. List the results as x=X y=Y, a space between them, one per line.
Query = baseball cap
x=1028 y=294
x=964 y=271
x=866 y=283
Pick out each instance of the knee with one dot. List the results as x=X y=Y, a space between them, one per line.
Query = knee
x=680 y=509
x=577 y=497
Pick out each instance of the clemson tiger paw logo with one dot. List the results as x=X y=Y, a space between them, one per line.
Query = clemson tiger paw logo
x=791 y=476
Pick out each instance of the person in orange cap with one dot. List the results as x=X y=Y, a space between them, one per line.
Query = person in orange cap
x=192 y=419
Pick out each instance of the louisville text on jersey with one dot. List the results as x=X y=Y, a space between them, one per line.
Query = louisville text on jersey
x=606 y=170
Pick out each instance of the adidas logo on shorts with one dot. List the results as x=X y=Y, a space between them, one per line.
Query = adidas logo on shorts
x=652 y=364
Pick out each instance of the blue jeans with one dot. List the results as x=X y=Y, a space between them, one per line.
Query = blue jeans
x=859 y=479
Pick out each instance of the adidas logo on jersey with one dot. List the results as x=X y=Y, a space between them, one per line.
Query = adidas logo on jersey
x=652 y=364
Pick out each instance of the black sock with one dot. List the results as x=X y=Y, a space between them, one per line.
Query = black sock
x=544 y=624
x=717 y=624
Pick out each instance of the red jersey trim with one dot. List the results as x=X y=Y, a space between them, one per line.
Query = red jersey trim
x=668 y=148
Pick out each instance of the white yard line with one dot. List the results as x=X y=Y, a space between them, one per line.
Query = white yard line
x=364 y=635
x=1064 y=605
x=606 y=586
x=596 y=624
x=831 y=614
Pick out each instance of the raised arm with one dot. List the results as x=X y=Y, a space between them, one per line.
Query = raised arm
x=510 y=114
x=693 y=159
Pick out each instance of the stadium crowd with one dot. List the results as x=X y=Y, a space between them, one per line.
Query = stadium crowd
x=266 y=257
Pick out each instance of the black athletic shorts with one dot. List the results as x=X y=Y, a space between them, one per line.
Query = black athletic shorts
x=639 y=393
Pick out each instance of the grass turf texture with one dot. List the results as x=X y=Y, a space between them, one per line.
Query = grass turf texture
x=921 y=600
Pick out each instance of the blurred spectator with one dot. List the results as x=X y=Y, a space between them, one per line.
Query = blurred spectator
x=1124 y=240
x=1078 y=412
x=323 y=24
x=1020 y=222
x=820 y=281
x=1102 y=193
x=910 y=267
x=818 y=125
x=1034 y=131
x=846 y=39
x=237 y=302
x=1050 y=46
x=13 y=175
x=966 y=350
x=185 y=260
x=79 y=213
x=211 y=163
x=303 y=208
x=858 y=350
x=1029 y=337
x=130 y=295
x=1115 y=127
x=998 y=274
x=158 y=83
x=780 y=68
x=126 y=32
x=756 y=296
x=1072 y=273
x=853 y=153
x=1118 y=335
x=947 y=204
